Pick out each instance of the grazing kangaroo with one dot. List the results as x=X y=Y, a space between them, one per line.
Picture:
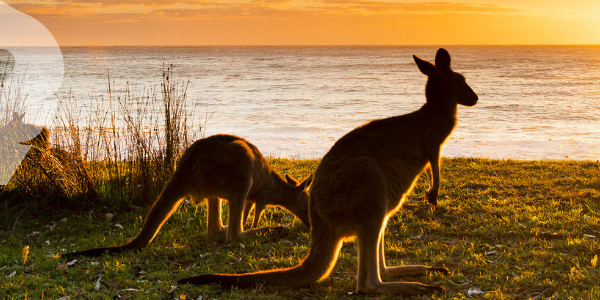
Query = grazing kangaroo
x=363 y=180
x=219 y=167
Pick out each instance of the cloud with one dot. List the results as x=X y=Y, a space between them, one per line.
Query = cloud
x=418 y=7
x=233 y=11
x=209 y=9
x=130 y=10
x=151 y=3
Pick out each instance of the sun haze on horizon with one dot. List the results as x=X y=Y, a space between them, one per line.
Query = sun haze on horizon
x=317 y=22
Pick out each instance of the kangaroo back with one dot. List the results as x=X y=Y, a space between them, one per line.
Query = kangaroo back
x=363 y=180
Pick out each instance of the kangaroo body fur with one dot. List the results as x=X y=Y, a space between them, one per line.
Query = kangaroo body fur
x=363 y=180
x=215 y=168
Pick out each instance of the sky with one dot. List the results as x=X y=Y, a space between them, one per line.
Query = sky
x=316 y=22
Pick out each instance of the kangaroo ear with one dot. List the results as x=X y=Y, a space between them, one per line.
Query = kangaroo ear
x=291 y=180
x=426 y=67
x=442 y=60
x=306 y=182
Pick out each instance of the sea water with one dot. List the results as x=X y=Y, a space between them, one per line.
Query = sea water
x=535 y=102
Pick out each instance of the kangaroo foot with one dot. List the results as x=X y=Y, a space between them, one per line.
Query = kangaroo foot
x=432 y=198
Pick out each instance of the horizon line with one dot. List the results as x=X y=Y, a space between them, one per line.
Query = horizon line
x=319 y=45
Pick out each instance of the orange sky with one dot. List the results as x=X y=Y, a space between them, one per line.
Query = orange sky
x=316 y=22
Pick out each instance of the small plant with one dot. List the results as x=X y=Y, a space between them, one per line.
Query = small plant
x=25 y=254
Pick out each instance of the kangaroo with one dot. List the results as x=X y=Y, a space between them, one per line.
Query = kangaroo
x=215 y=168
x=363 y=180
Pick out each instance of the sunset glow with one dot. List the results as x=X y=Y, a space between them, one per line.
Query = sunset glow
x=316 y=22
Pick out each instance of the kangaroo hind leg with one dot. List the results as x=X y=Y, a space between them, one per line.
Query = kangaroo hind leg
x=214 y=225
x=413 y=270
x=236 y=212
x=369 y=280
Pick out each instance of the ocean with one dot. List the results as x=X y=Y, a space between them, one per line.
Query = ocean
x=535 y=102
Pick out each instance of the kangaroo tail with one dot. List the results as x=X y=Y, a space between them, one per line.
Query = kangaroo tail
x=167 y=202
x=317 y=265
x=92 y=252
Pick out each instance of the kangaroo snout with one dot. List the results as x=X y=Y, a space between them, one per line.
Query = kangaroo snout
x=474 y=100
x=469 y=97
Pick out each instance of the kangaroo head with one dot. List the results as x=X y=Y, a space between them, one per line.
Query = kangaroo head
x=445 y=86
x=300 y=207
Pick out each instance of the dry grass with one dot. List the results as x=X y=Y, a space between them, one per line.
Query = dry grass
x=119 y=157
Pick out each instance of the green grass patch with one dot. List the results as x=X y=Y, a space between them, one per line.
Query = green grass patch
x=512 y=229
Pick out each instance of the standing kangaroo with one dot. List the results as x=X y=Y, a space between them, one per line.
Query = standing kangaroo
x=215 y=168
x=363 y=180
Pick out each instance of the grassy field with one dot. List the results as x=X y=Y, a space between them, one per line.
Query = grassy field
x=506 y=229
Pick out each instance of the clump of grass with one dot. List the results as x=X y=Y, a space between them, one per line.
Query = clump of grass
x=12 y=129
x=118 y=157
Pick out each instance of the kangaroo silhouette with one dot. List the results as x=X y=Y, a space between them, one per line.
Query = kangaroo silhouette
x=215 y=168
x=363 y=180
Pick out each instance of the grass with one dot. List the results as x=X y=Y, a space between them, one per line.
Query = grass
x=511 y=229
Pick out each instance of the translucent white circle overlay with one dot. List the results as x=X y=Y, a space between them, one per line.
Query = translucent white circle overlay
x=34 y=69
x=39 y=66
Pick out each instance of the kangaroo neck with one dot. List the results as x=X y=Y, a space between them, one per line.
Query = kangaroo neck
x=269 y=182
x=440 y=121
x=442 y=114
x=445 y=109
x=275 y=181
